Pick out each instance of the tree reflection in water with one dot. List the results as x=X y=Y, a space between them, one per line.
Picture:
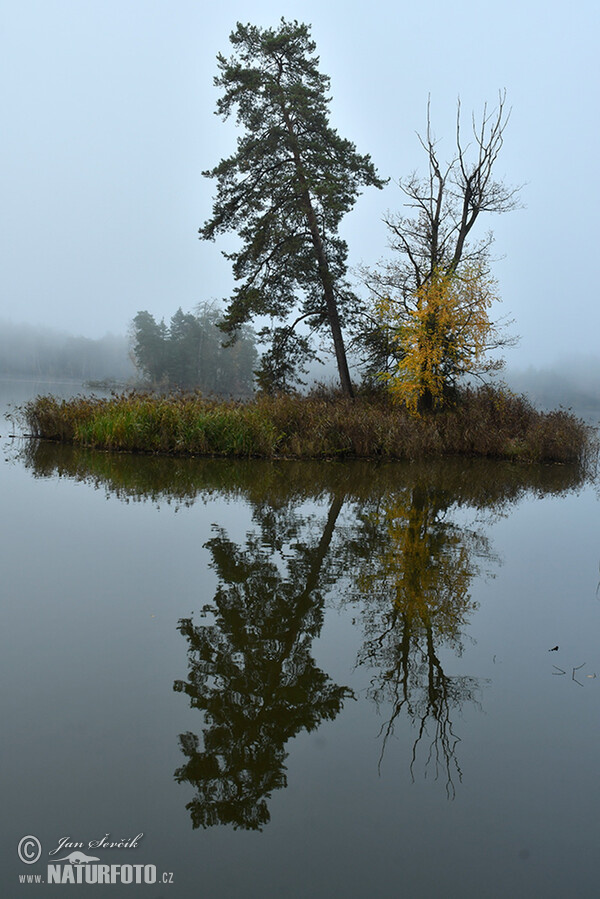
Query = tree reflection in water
x=403 y=557
x=252 y=673
x=414 y=589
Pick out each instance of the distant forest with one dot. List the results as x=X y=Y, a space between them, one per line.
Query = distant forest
x=186 y=353
x=30 y=351
x=40 y=352
x=189 y=352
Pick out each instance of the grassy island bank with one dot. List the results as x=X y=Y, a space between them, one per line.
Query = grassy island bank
x=485 y=422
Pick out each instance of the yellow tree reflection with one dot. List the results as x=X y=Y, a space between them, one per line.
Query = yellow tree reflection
x=416 y=587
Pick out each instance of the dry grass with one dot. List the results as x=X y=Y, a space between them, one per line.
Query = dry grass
x=486 y=422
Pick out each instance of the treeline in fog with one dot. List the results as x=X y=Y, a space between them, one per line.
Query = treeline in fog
x=41 y=352
x=572 y=382
x=189 y=352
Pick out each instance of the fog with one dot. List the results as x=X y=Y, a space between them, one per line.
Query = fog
x=108 y=113
x=36 y=351
x=571 y=382
x=30 y=351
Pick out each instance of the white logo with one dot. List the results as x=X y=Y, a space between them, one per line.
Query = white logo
x=29 y=849
x=78 y=858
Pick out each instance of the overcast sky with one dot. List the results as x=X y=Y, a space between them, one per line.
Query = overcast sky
x=108 y=121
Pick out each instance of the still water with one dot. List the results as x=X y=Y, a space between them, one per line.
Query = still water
x=301 y=679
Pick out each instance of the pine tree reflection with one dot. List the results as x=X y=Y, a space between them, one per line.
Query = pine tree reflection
x=404 y=557
x=252 y=673
x=415 y=586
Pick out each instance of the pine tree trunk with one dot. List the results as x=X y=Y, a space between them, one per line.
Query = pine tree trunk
x=330 y=301
x=324 y=273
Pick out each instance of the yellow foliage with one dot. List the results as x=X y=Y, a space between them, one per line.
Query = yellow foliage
x=442 y=334
x=426 y=566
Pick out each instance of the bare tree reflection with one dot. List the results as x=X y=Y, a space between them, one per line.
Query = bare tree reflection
x=402 y=554
x=415 y=583
x=252 y=673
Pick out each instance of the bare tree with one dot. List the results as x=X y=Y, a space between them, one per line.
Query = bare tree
x=434 y=238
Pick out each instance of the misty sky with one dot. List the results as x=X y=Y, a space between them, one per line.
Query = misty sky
x=108 y=121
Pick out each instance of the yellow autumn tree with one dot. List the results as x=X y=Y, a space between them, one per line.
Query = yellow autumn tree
x=441 y=336
x=429 y=323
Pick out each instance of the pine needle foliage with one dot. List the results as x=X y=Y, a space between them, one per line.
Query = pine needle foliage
x=284 y=192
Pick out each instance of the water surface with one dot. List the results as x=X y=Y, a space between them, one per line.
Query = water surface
x=302 y=679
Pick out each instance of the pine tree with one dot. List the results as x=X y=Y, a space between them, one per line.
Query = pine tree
x=284 y=192
x=190 y=354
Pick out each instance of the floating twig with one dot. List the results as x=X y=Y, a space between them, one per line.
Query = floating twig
x=573 y=676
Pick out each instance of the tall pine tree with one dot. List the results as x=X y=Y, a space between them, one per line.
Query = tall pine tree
x=285 y=192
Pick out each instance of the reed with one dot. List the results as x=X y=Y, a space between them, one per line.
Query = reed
x=485 y=422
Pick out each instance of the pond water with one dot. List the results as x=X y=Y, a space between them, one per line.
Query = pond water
x=300 y=679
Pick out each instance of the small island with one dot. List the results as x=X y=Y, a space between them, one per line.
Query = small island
x=484 y=422
x=419 y=336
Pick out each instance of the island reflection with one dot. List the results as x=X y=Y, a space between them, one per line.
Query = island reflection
x=392 y=540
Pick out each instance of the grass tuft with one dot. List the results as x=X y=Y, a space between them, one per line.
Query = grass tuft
x=486 y=422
